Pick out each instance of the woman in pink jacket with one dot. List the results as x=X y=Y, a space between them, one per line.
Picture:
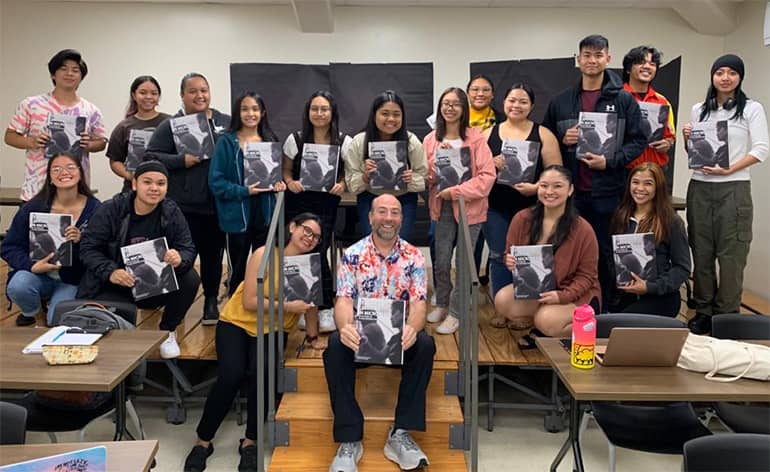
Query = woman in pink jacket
x=459 y=163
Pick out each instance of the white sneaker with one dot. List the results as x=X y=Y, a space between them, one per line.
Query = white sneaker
x=438 y=314
x=169 y=349
x=449 y=325
x=301 y=322
x=433 y=299
x=404 y=451
x=347 y=458
x=326 y=322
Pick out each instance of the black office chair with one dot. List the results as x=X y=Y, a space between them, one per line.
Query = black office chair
x=743 y=417
x=13 y=424
x=728 y=453
x=657 y=428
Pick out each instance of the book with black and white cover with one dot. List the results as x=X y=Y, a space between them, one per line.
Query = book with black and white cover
x=380 y=324
x=192 y=135
x=654 y=120
x=137 y=145
x=46 y=235
x=152 y=275
x=520 y=161
x=633 y=253
x=92 y=459
x=318 y=168
x=598 y=133
x=453 y=166
x=390 y=158
x=533 y=273
x=707 y=145
x=262 y=164
x=64 y=134
x=302 y=278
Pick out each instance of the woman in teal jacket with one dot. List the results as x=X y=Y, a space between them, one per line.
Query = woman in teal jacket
x=244 y=212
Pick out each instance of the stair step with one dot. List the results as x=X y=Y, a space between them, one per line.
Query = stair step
x=318 y=459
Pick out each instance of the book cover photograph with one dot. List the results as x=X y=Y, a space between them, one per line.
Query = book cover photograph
x=137 y=145
x=64 y=132
x=390 y=158
x=46 y=236
x=598 y=133
x=380 y=322
x=533 y=273
x=92 y=459
x=633 y=253
x=152 y=275
x=262 y=164
x=654 y=120
x=318 y=168
x=302 y=278
x=192 y=135
x=707 y=146
x=520 y=161
x=453 y=166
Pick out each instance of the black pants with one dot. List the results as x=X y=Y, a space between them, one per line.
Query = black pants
x=236 y=362
x=325 y=207
x=210 y=242
x=239 y=248
x=598 y=212
x=340 y=369
x=176 y=303
x=664 y=305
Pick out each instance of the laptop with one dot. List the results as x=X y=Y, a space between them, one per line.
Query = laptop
x=642 y=347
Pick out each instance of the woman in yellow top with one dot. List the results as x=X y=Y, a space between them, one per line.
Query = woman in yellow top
x=236 y=344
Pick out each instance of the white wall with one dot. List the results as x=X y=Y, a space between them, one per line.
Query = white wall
x=121 y=41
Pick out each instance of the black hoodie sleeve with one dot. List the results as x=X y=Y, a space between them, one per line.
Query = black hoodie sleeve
x=679 y=254
x=95 y=242
x=162 y=147
x=634 y=140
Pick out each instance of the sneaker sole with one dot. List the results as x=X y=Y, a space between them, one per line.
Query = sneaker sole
x=393 y=457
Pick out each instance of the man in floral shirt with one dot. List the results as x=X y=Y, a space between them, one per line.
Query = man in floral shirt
x=381 y=265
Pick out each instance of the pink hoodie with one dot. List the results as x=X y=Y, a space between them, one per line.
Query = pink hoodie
x=475 y=190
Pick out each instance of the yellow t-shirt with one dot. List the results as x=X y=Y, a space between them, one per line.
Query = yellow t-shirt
x=234 y=313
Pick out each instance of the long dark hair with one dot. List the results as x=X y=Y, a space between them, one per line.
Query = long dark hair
x=527 y=89
x=710 y=103
x=564 y=225
x=48 y=192
x=334 y=127
x=662 y=211
x=133 y=107
x=464 y=116
x=263 y=127
x=371 y=133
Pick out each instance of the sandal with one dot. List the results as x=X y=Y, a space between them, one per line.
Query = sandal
x=527 y=341
x=519 y=324
x=498 y=321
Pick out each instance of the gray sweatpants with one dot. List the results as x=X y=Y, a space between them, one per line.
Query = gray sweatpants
x=445 y=241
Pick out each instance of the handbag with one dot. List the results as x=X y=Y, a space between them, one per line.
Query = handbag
x=733 y=359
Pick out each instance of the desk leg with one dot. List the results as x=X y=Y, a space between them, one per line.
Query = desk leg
x=120 y=411
x=573 y=439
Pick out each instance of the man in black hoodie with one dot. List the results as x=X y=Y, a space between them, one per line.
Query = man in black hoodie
x=599 y=179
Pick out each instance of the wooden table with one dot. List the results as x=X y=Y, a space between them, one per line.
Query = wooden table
x=128 y=456
x=120 y=352
x=636 y=384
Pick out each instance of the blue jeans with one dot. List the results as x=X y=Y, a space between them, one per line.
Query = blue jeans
x=28 y=290
x=408 y=210
x=495 y=230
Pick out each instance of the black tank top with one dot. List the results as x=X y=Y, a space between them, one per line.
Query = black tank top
x=504 y=198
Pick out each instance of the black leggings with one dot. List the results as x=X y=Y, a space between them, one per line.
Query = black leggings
x=664 y=305
x=210 y=242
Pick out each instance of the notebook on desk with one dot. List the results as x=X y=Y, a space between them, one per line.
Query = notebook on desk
x=642 y=347
x=60 y=336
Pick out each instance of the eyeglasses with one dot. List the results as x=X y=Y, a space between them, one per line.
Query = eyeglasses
x=307 y=232
x=480 y=89
x=69 y=168
x=451 y=105
x=320 y=110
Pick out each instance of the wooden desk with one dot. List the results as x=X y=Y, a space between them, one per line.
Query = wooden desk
x=128 y=456
x=120 y=352
x=636 y=384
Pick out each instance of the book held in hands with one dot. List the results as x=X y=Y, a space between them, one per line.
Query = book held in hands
x=380 y=324
x=654 y=120
x=262 y=164
x=520 y=161
x=598 y=134
x=707 y=145
x=64 y=134
x=152 y=275
x=453 y=166
x=318 y=169
x=46 y=236
x=633 y=253
x=302 y=278
x=192 y=135
x=390 y=158
x=137 y=145
x=533 y=273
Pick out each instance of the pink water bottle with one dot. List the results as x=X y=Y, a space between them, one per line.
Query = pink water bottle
x=583 y=337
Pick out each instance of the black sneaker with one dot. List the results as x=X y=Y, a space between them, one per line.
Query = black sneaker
x=700 y=324
x=196 y=459
x=210 y=311
x=248 y=454
x=22 y=320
